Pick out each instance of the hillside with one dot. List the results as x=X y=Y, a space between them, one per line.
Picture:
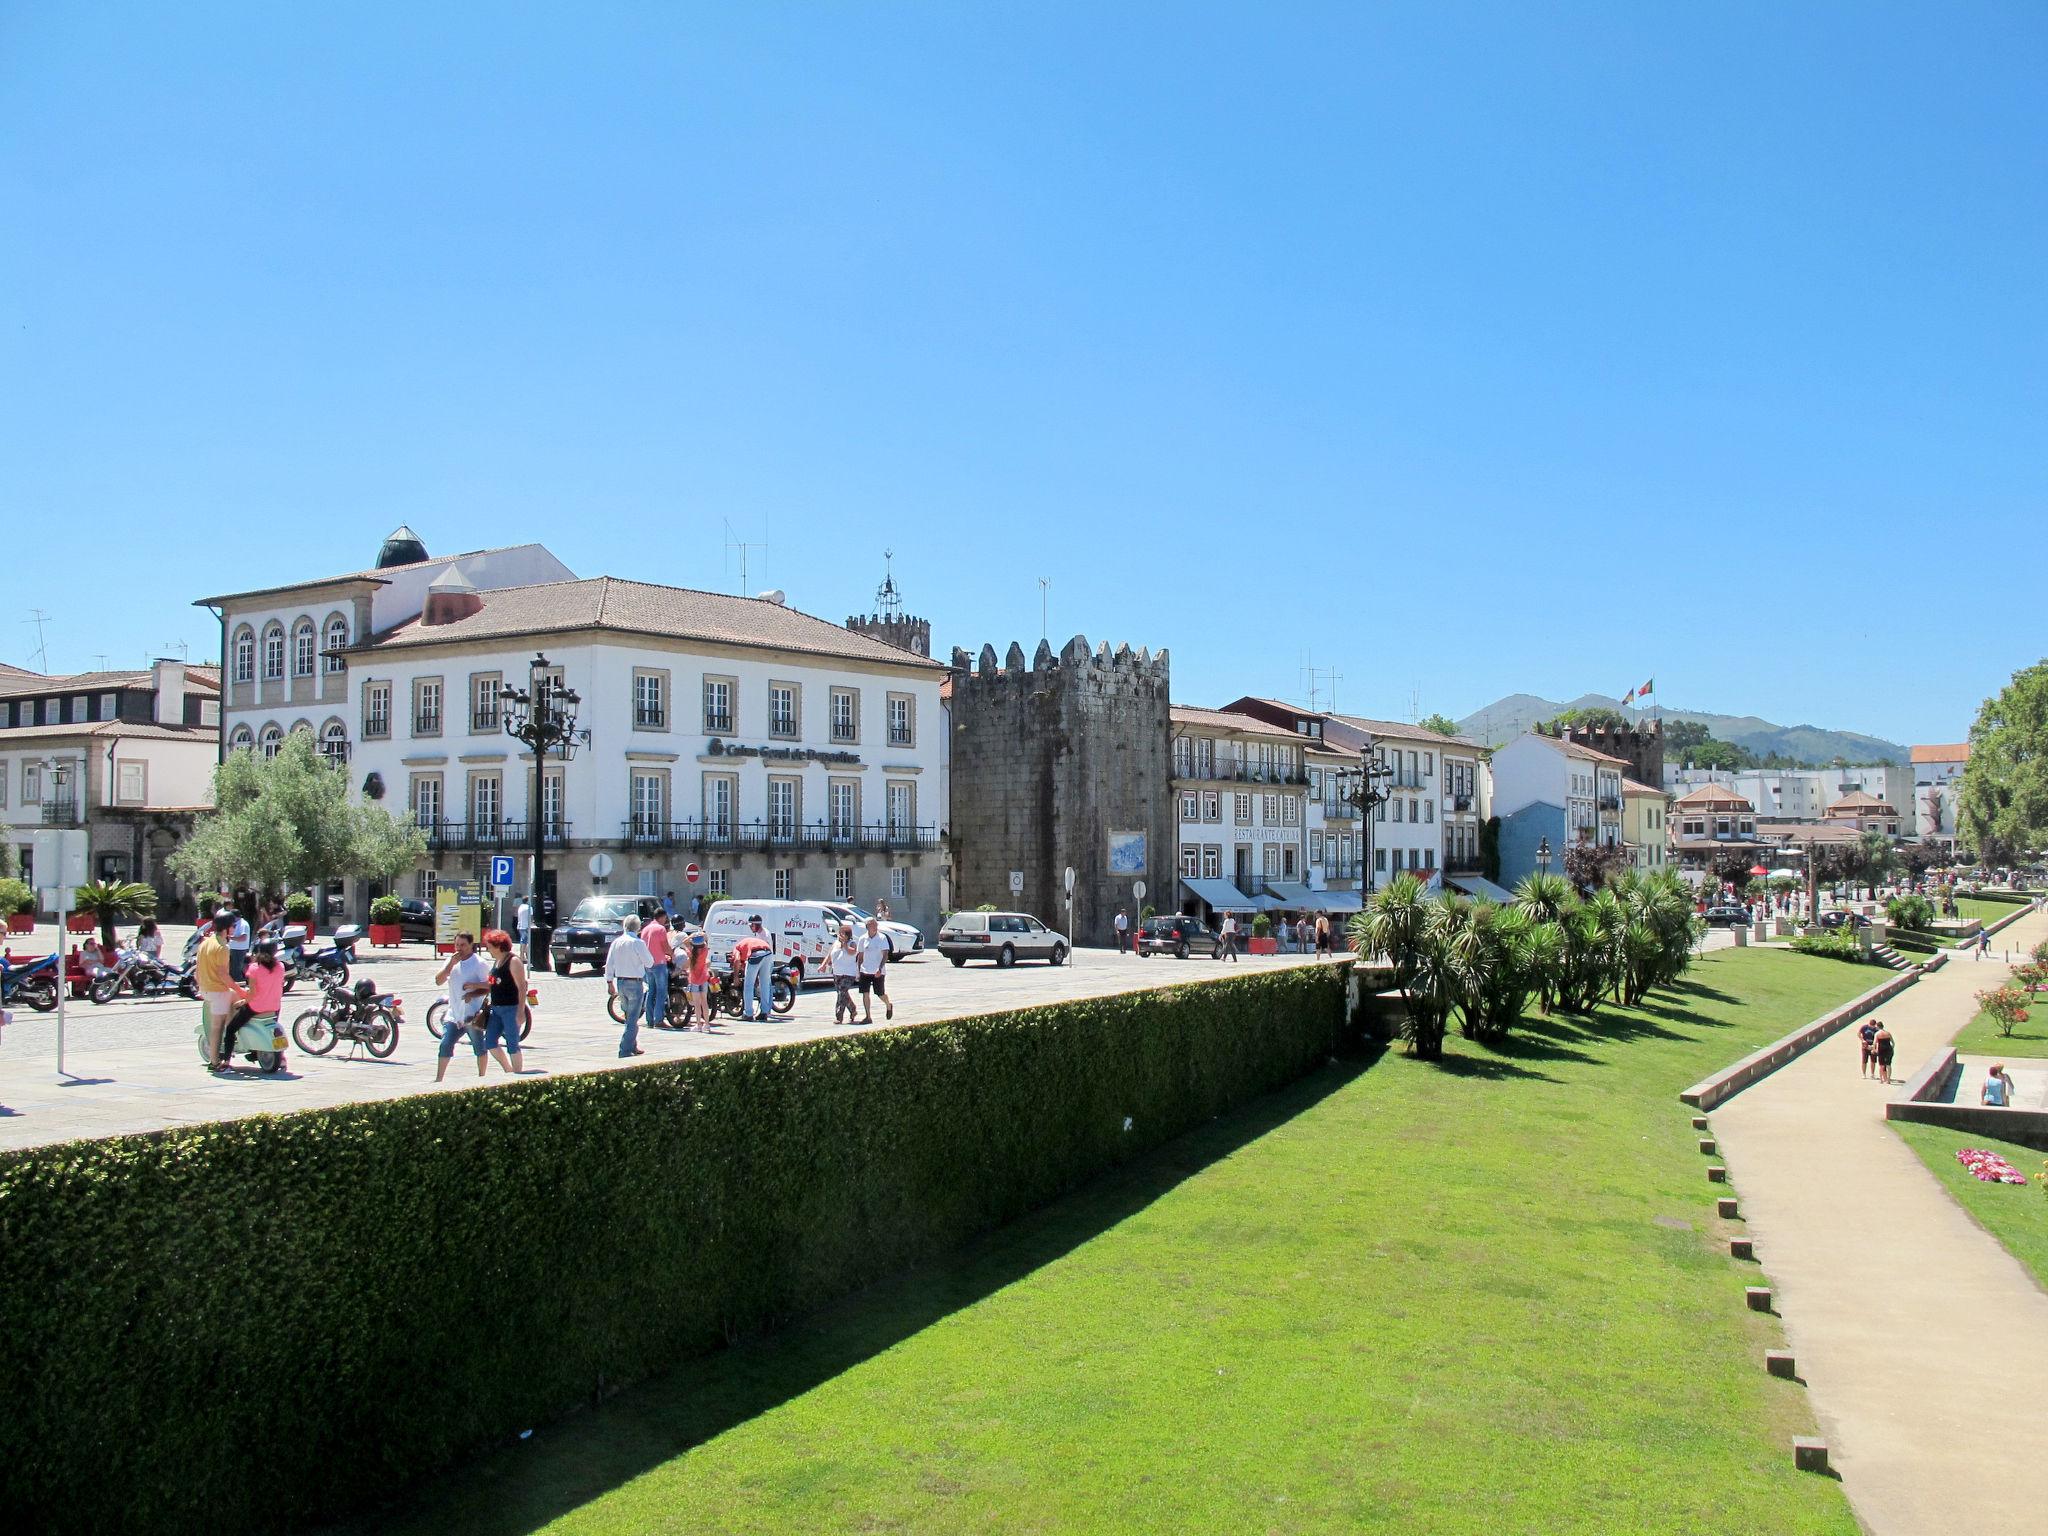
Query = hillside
x=1509 y=717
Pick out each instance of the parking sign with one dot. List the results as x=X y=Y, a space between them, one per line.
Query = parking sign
x=501 y=871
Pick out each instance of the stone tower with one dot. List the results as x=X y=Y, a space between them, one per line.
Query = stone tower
x=1066 y=762
x=1641 y=746
x=889 y=623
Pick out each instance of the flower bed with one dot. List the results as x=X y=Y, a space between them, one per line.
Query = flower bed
x=1989 y=1167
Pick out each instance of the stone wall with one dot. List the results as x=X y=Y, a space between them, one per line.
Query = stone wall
x=1047 y=761
x=1641 y=746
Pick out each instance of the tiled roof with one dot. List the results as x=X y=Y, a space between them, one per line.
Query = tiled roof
x=127 y=730
x=642 y=608
x=1714 y=794
x=1401 y=730
x=1859 y=801
x=372 y=575
x=1224 y=720
x=1630 y=787
x=1579 y=749
x=15 y=683
x=1952 y=752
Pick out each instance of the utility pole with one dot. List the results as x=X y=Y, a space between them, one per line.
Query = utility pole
x=734 y=542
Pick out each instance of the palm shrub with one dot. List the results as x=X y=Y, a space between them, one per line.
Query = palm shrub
x=1545 y=897
x=1399 y=924
x=1490 y=959
x=114 y=900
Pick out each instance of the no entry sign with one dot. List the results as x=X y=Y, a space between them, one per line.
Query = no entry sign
x=690 y=873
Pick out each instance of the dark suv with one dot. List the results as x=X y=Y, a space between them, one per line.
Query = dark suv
x=588 y=934
x=1176 y=936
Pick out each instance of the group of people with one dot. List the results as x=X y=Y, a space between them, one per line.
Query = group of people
x=487 y=1002
x=860 y=961
x=236 y=985
x=1877 y=1049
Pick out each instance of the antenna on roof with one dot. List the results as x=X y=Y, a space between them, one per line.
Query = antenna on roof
x=37 y=617
x=184 y=651
x=1044 y=607
x=733 y=542
x=888 y=599
x=1319 y=697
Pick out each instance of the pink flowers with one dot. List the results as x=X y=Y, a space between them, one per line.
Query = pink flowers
x=1989 y=1167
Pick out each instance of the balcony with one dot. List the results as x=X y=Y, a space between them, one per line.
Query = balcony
x=775 y=837
x=1460 y=804
x=519 y=834
x=60 y=813
x=1462 y=864
x=1610 y=802
x=427 y=723
x=717 y=725
x=376 y=727
x=1225 y=773
x=1339 y=810
x=843 y=733
x=899 y=736
x=650 y=719
x=484 y=722
x=467 y=834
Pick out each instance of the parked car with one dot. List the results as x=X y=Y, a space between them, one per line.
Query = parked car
x=1842 y=917
x=1176 y=936
x=904 y=938
x=1004 y=937
x=589 y=932
x=415 y=919
x=1727 y=917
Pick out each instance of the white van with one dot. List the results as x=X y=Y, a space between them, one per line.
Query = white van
x=803 y=932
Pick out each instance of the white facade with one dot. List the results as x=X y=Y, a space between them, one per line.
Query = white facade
x=1336 y=832
x=1804 y=794
x=1241 y=807
x=1937 y=781
x=1534 y=769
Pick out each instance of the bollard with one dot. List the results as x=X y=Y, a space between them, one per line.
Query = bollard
x=1759 y=1297
x=1809 y=1454
x=1706 y=1146
x=1699 y=1122
x=1725 y=1207
x=1716 y=1174
x=1779 y=1363
x=1741 y=1248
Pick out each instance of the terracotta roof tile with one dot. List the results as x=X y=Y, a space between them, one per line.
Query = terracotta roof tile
x=1951 y=752
x=1225 y=720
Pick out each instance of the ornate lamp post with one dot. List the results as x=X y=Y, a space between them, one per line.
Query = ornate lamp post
x=1543 y=855
x=1367 y=794
x=544 y=718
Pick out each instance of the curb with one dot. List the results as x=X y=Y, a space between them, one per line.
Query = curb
x=1731 y=1080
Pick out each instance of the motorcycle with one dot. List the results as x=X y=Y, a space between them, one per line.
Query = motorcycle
x=360 y=1015
x=324 y=966
x=725 y=996
x=32 y=983
x=142 y=975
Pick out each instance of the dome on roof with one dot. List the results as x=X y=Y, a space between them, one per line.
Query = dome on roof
x=403 y=547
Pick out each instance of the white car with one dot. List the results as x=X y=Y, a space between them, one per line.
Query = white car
x=904 y=938
x=1004 y=937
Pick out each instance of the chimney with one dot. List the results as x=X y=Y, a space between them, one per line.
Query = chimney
x=168 y=679
x=451 y=596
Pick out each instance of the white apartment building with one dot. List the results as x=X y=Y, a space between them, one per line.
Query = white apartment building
x=1804 y=794
x=1336 y=831
x=780 y=754
x=1241 y=791
x=1937 y=779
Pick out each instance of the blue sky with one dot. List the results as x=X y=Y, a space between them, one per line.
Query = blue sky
x=1473 y=349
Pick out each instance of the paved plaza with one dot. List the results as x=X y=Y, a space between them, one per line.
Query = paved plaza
x=134 y=1066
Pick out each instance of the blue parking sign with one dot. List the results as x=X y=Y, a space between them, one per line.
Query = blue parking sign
x=501 y=871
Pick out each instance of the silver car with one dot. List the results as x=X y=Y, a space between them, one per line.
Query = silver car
x=1004 y=937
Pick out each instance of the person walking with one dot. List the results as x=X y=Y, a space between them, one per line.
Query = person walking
x=1867 y=1033
x=1123 y=931
x=522 y=924
x=507 y=1002
x=696 y=909
x=874 y=961
x=467 y=976
x=697 y=973
x=1226 y=939
x=668 y=908
x=1322 y=933
x=238 y=947
x=660 y=953
x=213 y=974
x=1997 y=1089
x=625 y=977
x=845 y=966
x=1884 y=1045
x=753 y=961
x=1983 y=944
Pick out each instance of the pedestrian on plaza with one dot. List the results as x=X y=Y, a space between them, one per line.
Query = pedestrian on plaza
x=1983 y=944
x=213 y=973
x=753 y=961
x=696 y=909
x=506 y=1000
x=668 y=907
x=1226 y=939
x=238 y=947
x=845 y=965
x=1867 y=1033
x=660 y=953
x=1123 y=931
x=882 y=909
x=697 y=973
x=874 y=960
x=1997 y=1090
x=522 y=922
x=626 y=965
x=1322 y=933
x=1884 y=1045
x=467 y=976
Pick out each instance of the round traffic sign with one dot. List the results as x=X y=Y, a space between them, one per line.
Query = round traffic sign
x=600 y=865
x=690 y=873
x=1138 y=889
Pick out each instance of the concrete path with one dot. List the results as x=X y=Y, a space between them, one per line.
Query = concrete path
x=1924 y=1342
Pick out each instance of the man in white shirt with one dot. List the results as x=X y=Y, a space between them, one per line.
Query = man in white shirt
x=238 y=948
x=874 y=958
x=522 y=920
x=468 y=979
x=1226 y=938
x=845 y=963
x=625 y=977
x=1123 y=931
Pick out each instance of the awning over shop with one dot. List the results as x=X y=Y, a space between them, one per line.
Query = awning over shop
x=1479 y=885
x=1334 y=902
x=1295 y=898
x=1221 y=895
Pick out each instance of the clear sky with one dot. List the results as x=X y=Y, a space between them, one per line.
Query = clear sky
x=1470 y=348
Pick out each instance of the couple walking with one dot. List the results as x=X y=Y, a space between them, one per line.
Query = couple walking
x=864 y=961
x=486 y=1002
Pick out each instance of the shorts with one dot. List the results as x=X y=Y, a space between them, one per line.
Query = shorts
x=875 y=982
x=473 y=1028
x=503 y=1028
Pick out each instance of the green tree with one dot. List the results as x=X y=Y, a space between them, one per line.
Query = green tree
x=1590 y=718
x=1875 y=858
x=287 y=823
x=2002 y=807
x=10 y=861
x=1442 y=725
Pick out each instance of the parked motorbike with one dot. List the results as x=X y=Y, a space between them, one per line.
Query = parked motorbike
x=725 y=996
x=360 y=1015
x=142 y=975
x=31 y=983
x=323 y=966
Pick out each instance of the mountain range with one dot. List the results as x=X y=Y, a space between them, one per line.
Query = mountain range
x=1506 y=718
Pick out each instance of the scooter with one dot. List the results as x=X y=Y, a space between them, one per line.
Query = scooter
x=324 y=967
x=258 y=1036
x=32 y=983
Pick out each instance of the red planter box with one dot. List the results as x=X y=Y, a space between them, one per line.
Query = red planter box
x=1263 y=947
x=81 y=922
x=21 y=922
x=386 y=935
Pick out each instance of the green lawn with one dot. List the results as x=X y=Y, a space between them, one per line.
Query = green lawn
x=1487 y=1296
x=1980 y=1037
x=2017 y=1217
x=1986 y=912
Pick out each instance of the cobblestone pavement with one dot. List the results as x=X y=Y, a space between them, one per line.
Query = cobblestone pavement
x=134 y=1065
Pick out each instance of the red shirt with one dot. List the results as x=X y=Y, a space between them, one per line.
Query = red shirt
x=747 y=948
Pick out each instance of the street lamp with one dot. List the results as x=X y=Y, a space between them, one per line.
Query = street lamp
x=1543 y=855
x=1367 y=794
x=544 y=718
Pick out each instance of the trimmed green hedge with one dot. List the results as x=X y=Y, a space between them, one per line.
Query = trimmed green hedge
x=266 y=1322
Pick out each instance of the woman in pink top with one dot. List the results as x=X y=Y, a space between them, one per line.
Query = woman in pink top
x=262 y=992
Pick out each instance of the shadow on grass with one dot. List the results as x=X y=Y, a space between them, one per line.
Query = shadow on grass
x=565 y=1465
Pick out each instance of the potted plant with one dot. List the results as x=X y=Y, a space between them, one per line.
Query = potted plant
x=18 y=903
x=1263 y=942
x=298 y=909
x=104 y=902
x=385 y=932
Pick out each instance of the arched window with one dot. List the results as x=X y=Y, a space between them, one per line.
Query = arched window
x=245 y=655
x=241 y=740
x=337 y=639
x=271 y=739
x=302 y=648
x=334 y=742
x=273 y=650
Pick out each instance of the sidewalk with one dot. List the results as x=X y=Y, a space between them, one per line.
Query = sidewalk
x=1924 y=1343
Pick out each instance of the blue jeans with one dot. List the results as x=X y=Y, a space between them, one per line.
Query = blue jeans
x=759 y=969
x=469 y=1030
x=631 y=994
x=657 y=994
x=503 y=1029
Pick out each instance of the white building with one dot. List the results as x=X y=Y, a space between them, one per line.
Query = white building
x=780 y=754
x=1804 y=794
x=1549 y=794
x=1937 y=779
x=128 y=756
x=1241 y=793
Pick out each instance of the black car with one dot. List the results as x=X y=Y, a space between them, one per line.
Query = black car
x=1176 y=936
x=590 y=929
x=1727 y=917
x=415 y=919
x=1841 y=917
